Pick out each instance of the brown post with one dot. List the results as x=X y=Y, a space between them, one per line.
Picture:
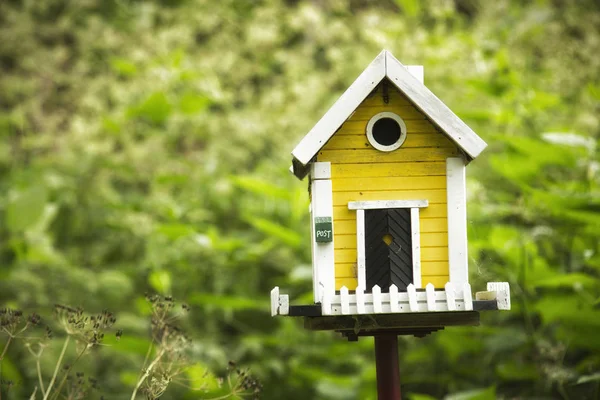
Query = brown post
x=388 y=370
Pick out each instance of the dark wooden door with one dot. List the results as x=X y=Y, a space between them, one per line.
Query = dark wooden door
x=388 y=248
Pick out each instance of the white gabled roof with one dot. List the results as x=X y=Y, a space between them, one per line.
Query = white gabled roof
x=385 y=65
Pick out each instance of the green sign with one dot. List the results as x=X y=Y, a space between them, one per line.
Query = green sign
x=323 y=229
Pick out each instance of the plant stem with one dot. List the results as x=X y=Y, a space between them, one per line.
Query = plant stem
x=2 y=359
x=64 y=379
x=39 y=374
x=62 y=354
x=147 y=373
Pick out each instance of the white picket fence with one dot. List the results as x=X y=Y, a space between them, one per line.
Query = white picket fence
x=452 y=298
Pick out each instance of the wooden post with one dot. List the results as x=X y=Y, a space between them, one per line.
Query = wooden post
x=388 y=370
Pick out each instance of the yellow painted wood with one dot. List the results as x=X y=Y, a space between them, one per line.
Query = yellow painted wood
x=434 y=254
x=346 y=255
x=435 y=240
x=432 y=225
x=345 y=270
x=370 y=155
x=360 y=141
x=395 y=98
x=365 y=113
x=435 y=196
x=350 y=283
x=434 y=268
x=388 y=170
x=437 y=281
x=341 y=213
x=412 y=125
x=387 y=183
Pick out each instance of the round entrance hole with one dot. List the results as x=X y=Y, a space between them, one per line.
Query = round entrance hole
x=386 y=131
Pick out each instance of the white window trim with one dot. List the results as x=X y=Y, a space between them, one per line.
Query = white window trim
x=360 y=207
x=457 y=220
x=381 y=147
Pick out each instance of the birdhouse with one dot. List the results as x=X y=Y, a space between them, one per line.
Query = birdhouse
x=386 y=169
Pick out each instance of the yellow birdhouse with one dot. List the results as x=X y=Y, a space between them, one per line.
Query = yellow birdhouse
x=386 y=166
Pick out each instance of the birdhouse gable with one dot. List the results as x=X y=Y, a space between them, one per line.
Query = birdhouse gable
x=383 y=72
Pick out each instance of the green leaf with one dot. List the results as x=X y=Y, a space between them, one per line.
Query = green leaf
x=25 y=208
x=573 y=281
x=269 y=228
x=156 y=108
x=418 y=396
x=477 y=394
x=160 y=281
x=193 y=103
x=123 y=67
x=589 y=378
x=410 y=7
x=228 y=302
x=175 y=231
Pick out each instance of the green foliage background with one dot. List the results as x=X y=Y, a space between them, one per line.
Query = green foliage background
x=144 y=145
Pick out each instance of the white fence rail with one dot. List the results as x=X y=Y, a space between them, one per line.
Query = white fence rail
x=451 y=299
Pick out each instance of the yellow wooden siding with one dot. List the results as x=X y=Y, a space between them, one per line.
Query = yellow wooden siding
x=415 y=171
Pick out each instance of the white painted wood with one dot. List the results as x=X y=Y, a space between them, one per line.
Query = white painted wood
x=326 y=303
x=377 y=299
x=284 y=304
x=417 y=71
x=320 y=170
x=381 y=204
x=433 y=107
x=394 y=298
x=345 y=300
x=370 y=303
x=467 y=297
x=415 y=231
x=322 y=252
x=360 y=300
x=274 y=301
x=450 y=298
x=340 y=111
x=456 y=189
x=430 y=290
x=502 y=290
x=361 y=258
x=375 y=143
x=412 y=297
x=385 y=65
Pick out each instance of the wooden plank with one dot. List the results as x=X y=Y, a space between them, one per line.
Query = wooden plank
x=416 y=140
x=274 y=301
x=389 y=321
x=385 y=204
x=433 y=107
x=417 y=71
x=467 y=296
x=341 y=109
x=433 y=225
x=405 y=112
x=412 y=297
x=430 y=290
x=361 y=258
x=394 y=299
x=432 y=211
x=360 y=299
x=457 y=221
x=431 y=268
x=428 y=240
x=450 y=297
x=434 y=168
x=412 y=126
x=320 y=170
x=415 y=232
x=322 y=253
x=345 y=300
x=350 y=283
x=434 y=253
x=376 y=290
x=437 y=281
x=434 y=196
x=345 y=269
x=368 y=156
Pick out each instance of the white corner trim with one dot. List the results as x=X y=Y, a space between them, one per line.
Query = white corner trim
x=322 y=253
x=375 y=143
x=417 y=71
x=341 y=109
x=433 y=107
x=457 y=220
x=320 y=170
x=415 y=230
x=502 y=290
x=361 y=258
x=379 y=204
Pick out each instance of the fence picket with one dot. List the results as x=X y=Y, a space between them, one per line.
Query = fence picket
x=360 y=300
x=394 y=306
x=468 y=297
x=430 y=292
x=345 y=300
x=377 y=309
x=412 y=298
x=450 y=298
